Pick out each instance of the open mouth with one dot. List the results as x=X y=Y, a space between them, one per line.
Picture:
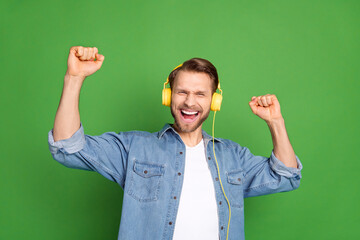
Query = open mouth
x=189 y=116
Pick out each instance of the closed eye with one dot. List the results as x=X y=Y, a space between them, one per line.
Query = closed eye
x=201 y=94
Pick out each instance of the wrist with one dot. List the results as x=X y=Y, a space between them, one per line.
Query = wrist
x=276 y=122
x=79 y=77
x=73 y=81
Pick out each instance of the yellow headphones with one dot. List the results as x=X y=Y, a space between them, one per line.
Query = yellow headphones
x=215 y=102
x=215 y=106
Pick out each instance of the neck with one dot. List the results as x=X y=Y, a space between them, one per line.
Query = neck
x=190 y=139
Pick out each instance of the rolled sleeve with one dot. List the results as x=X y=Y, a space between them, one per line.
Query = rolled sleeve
x=267 y=175
x=106 y=153
x=280 y=168
x=71 y=145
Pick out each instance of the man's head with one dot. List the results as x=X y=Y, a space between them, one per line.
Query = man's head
x=192 y=86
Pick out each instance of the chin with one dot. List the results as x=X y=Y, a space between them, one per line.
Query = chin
x=188 y=127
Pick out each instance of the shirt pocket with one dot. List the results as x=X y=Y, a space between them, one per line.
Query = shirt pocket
x=235 y=180
x=145 y=181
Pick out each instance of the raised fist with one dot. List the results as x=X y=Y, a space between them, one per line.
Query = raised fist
x=84 y=61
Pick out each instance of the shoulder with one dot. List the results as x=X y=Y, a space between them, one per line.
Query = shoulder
x=230 y=143
x=137 y=134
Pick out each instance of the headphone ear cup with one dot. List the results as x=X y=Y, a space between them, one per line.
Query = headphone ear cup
x=166 y=97
x=216 y=102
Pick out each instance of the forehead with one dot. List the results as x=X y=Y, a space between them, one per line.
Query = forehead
x=193 y=81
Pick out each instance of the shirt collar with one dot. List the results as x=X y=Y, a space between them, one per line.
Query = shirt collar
x=168 y=127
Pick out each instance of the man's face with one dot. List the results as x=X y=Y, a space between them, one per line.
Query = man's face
x=190 y=100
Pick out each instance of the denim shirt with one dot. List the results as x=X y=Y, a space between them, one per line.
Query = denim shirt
x=149 y=167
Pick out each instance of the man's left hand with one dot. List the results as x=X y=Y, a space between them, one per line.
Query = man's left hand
x=267 y=107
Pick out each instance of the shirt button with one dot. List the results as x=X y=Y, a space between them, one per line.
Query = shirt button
x=174 y=197
x=222 y=227
x=145 y=171
x=220 y=202
x=217 y=179
x=209 y=158
x=180 y=152
x=170 y=223
x=239 y=179
x=179 y=173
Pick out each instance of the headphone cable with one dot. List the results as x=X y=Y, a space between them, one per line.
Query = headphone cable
x=213 y=127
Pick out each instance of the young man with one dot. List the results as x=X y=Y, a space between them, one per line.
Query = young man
x=172 y=189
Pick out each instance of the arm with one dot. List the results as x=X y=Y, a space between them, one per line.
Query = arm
x=267 y=107
x=280 y=172
x=282 y=146
x=80 y=65
x=105 y=154
x=67 y=119
x=266 y=175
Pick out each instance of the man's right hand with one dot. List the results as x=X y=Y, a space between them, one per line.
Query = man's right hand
x=82 y=63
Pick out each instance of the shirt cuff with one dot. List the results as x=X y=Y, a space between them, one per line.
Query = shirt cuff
x=71 y=145
x=280 y=168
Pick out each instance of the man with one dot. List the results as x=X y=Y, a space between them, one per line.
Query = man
x=172 y=189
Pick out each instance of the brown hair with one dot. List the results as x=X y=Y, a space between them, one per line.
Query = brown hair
x=197 y=65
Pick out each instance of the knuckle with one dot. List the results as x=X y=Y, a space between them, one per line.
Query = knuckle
x=73 y=49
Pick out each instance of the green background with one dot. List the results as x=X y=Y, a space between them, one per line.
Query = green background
x=304 y=52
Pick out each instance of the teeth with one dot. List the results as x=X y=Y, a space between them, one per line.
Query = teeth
x=189 y=113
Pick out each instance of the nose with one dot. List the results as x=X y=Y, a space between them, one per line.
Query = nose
x=190 y=100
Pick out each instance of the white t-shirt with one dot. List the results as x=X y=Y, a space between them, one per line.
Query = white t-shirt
x=197 y=216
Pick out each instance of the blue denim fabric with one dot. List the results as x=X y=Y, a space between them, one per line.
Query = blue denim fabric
x=149 y=167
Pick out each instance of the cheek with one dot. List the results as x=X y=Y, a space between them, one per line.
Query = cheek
x=206 y=103
x=177 y=100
